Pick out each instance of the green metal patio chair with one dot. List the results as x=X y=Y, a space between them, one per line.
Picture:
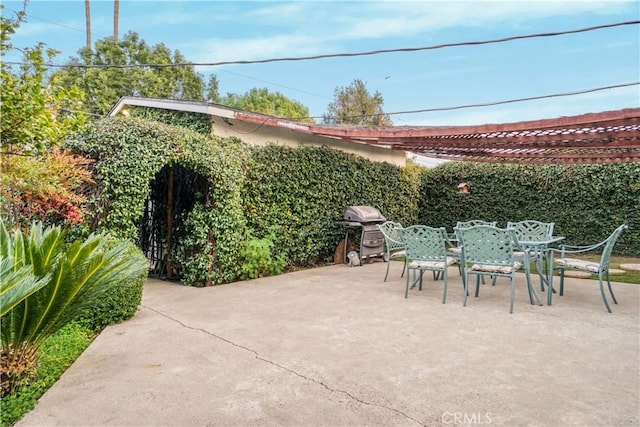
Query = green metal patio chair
x=474 y=222
x=393 y=244
x=456 y=250
x=601 y=267
x=489 y=251
x=532 y=230
x=427 y=251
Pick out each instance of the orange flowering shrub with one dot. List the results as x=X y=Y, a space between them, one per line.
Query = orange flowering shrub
x=45 y=188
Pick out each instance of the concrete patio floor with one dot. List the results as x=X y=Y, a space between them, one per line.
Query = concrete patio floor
x=335 y=346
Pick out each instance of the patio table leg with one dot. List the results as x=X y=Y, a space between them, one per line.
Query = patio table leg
x=550 y=289
x=530 y=287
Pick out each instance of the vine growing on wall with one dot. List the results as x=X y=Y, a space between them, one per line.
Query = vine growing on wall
x=586 y=202
x=130 y=152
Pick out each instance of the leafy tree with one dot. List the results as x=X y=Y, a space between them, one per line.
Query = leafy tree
x=35 y=116
x=77 y=276
x=36 y=181
x=100 y=73
x=271 y=103
x=213 y=94
x=354 y=105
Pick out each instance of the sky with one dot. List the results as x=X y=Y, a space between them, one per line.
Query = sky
x=215 y=31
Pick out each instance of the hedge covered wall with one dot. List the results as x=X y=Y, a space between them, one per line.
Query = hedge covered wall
x=297 y=194
x=291 y=196
x=586 y=202
x=287 y=200
x=128 y=154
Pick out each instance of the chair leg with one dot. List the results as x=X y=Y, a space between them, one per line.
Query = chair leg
x=541 y=273
x=527 y=273
x=388 y=263
x=406 y=289
x=445 y=277
x=464 y=279
x=404 y=268
x=561 y=282
x=530 y=293
x=465 y=283
x=604 y=297
x=550 y=285
x=513 y=293
x=478 y=284
x=615 y=301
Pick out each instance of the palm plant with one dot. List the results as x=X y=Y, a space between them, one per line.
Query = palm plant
x=46 y=283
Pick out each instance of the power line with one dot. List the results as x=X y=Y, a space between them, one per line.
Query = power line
x=343 y=55
x=510 y=101
x=490 y=104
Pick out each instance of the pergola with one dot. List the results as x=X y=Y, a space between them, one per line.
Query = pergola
x=606 y=137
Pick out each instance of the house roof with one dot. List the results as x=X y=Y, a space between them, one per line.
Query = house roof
x=606 y=137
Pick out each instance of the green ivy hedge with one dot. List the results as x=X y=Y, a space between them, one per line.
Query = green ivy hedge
x=291 y=198
x=197 y=122
x=297 y=194
x=120 y=304
x=586 y=202
x=130 y=152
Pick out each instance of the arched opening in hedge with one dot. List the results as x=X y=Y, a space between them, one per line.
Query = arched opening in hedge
x=133 y=158
x=174 y=191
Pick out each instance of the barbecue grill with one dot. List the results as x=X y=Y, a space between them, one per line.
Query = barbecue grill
x=371 y=239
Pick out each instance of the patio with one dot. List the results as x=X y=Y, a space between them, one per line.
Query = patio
x=335 y=346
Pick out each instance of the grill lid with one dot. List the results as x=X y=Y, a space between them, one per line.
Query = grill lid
x=363 y=214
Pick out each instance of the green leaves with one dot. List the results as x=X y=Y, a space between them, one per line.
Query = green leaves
x=258 y=260
x=104 y=86
x=130 y=152
x=16 y=285
x=265 y=102
x=354 y=105
x=35 y=113
x=46 y=284
x=585 y=201
x=297 y=194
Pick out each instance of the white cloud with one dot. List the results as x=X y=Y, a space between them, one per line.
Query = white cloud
x=309 y=28
x=220 y=50
x=376 y=20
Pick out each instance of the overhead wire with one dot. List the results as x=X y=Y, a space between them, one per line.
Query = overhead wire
x=383 y=51
x=459 y=107
x=342 y=55
x=508 y=101
x=436 y=109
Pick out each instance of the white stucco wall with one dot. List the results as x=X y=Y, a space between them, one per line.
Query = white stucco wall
x=256 y=134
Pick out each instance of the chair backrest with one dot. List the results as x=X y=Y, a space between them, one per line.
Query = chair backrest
x=610 y=243
x=425 y=243
x=474 y=222
x=392 y=233
x=532 y=230
x=488 y=245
